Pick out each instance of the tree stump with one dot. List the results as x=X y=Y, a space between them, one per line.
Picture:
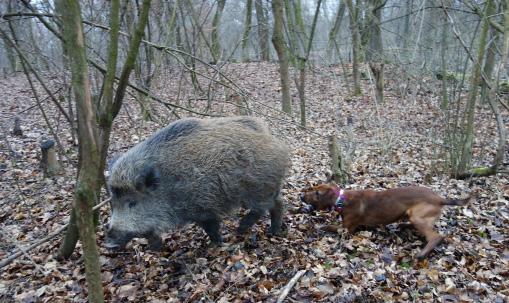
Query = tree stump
x=16 y=130
x=49 y=161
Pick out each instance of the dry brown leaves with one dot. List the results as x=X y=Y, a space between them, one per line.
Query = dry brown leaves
x=396 y=144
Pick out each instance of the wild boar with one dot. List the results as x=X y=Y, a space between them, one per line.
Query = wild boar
x=197 y=170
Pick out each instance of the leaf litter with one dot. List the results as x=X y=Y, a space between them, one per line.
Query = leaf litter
x=395 y=144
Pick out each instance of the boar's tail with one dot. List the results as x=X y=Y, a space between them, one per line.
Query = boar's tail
x=457 y=202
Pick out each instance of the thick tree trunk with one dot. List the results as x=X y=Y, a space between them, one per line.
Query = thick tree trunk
x=87 y=183
x=279 y=44
x=263 y=30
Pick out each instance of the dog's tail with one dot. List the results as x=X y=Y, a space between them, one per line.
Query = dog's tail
x=457 y=202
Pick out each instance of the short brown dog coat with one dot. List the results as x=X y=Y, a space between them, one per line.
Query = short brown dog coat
x=420 y=205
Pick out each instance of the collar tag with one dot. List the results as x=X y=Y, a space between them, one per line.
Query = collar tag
x=340 y=200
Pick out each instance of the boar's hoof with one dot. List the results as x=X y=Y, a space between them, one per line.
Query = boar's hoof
x=155 y=243
x=214 y=244
x=277 y=231
x=241 y=230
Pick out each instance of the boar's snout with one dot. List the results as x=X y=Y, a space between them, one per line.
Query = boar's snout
x=116 y=239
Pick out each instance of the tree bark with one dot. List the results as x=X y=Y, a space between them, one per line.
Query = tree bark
x=443 y=54
x=338 y=172
x=489 y=63
x=110 y=104
x=263 y=30
x=353 y=13
x=279 y=44
x=247 y=29
x=375 y=48
x=301 y=83
x=87 y=183
x=216 y=44
x=468 y=137
x=335 y=29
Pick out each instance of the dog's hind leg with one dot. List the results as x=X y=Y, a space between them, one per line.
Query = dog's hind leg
x=426 y=227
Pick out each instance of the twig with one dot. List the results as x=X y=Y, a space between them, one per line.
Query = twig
x=22 y=251
x=290 y=285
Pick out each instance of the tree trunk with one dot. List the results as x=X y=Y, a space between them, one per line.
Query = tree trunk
x=375 y=48
x=216 y=45
x=294 y=44
x=247 y=29
x=468 y=138
x=110 y=104
x=87 y=183
x=489 y=64
x=405 y=37
x=355 y=33
x=301 y=83
x=10 y=55
x=279 y=44
x=263 y=30
x=443 y=54
x=333 y=33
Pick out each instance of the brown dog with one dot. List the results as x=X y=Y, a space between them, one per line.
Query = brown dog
x=419 y=205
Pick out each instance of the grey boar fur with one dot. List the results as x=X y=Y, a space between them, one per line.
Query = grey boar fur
x=197 y=171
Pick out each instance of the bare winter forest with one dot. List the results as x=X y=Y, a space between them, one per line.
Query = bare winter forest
x=367 y=94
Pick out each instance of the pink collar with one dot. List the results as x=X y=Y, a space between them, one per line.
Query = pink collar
x=340 y=193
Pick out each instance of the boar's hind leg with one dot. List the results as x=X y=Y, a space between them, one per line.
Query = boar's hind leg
x=248 y=220
x=276 y=216
x=211 y=227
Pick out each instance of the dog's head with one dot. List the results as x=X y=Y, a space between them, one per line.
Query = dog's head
x=320 y=197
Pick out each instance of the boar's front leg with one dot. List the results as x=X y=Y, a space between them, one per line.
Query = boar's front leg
x=276 y=216
x=211 y=227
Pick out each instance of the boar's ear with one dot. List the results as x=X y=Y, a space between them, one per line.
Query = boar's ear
x=148 y=179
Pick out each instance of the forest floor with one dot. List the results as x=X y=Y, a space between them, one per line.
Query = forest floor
x=397 y=143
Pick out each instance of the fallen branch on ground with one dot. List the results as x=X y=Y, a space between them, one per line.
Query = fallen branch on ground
x=22 y=251
x=477 y=172
x=290 y=285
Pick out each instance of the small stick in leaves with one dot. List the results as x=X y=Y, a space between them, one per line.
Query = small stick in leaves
x=290 y=285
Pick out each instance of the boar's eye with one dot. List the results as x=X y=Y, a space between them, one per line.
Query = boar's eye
x=132 y=204
x=116 y=191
